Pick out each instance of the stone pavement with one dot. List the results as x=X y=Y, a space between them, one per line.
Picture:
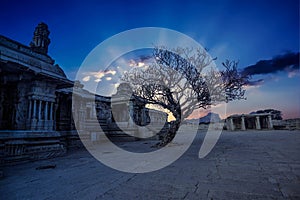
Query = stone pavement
x=243 y=165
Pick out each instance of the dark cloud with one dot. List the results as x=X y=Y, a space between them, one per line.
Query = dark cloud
x=288 y=62
x=255 y=83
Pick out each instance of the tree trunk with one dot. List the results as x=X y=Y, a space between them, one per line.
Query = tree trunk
x=174 y=126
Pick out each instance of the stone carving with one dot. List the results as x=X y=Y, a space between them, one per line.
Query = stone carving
x=40 y=41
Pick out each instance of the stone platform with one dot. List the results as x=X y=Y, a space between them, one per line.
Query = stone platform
x=242 y=165
x=24 y=146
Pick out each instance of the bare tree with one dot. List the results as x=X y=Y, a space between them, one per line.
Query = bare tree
x=182 y=80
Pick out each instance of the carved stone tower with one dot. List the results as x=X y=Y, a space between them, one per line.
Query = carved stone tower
x=40 y=40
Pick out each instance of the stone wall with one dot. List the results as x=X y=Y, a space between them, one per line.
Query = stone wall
x=288 y=124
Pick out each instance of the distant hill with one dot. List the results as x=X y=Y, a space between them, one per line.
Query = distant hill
x=210 y=117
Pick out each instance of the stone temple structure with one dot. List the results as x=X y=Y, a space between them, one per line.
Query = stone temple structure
x=249 y=121
x=36 y=113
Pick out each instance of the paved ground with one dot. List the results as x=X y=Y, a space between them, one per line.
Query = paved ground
x=243 y=165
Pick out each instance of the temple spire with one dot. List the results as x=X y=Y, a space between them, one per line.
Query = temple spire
x=40 y=40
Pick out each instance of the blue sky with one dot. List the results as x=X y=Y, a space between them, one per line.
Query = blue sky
x=248 y=31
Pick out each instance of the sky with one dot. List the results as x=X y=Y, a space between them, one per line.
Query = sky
x=262 y=35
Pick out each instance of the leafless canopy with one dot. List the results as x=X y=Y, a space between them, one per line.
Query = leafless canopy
x=182 y=80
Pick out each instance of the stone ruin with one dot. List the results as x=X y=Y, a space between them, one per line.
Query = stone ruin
x=36 y=114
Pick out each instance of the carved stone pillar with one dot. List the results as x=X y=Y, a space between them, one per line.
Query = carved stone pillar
x=231 y=124
x=40 y=110
x=270 y=123
x=29 y=108
x=243 y=127
x=46 y=111
x=50 y=122
x=257 y=123
x=34 y=109
x=51 y=111
x=131 y=110
x=94 y=114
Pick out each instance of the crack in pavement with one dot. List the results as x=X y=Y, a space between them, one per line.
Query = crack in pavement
x=112 y=188
x=196 y=187
x=185 y=195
